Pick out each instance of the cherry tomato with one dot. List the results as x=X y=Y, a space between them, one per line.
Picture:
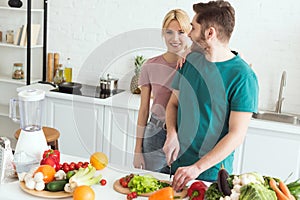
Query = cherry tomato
x=129 y=197
x=86 y=163
x=134 y=194
x=72 y=166
x=121 y=180
x=78 y=165
x=124 y=184
x=103 y=182
x=66 y=168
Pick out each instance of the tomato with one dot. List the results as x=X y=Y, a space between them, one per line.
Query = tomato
x=103 y=182
x=72 y=166
x=78 y=165
x=124 y=184
x=121 y=180
x=131 y=195
x=66 y=168
x=85 y=165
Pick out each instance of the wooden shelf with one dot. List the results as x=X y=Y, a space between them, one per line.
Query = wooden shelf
x=19 y=9
x=8 y=79
x=2 y=44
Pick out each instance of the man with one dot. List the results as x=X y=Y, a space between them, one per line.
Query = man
x=214 y=96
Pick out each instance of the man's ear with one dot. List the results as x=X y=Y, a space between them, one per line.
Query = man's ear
x=210 y=33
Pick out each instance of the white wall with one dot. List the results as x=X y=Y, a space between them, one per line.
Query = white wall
x=266 y=32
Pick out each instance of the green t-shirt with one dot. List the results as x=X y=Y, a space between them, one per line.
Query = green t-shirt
x=207 y=93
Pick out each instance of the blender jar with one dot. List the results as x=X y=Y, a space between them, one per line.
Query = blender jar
x=30 y=109
x=32 y=142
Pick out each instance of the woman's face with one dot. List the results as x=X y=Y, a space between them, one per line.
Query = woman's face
x=175 y=38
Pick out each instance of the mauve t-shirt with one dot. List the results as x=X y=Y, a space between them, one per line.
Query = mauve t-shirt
x=158 y=74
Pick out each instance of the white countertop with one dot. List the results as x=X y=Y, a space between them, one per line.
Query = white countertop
x=12 y=191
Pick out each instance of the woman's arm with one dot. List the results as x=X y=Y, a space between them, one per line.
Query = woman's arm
x=141 y=124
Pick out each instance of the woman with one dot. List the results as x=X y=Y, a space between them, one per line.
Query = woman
x=155 y=79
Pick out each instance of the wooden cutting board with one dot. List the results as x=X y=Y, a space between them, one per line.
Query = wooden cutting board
x=119 y=188
x=45 y=194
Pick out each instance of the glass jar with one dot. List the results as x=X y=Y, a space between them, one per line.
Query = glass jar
x=18 y=72
x=10 y=37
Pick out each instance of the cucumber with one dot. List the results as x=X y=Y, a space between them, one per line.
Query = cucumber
x=56 y=186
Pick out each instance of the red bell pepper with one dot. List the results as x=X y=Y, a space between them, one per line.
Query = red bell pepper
x=197 y=191
x=51 y=157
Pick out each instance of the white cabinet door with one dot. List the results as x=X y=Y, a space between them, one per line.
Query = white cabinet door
x=271 y=153
x=119 y=135
x=80 y=131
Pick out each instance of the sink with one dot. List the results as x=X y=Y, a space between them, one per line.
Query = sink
x=277 y=117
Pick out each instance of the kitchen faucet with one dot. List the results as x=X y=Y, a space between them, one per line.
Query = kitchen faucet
x=280 y=98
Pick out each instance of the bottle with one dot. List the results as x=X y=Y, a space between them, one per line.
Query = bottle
x=18 y=72
x=59 y=75
x=68 y=71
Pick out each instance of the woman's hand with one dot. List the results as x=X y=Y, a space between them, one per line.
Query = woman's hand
x=138 y=161
x=181 y=59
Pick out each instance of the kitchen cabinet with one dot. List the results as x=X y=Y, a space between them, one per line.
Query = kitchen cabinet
x=270 y=148
x=79 y=123
x=86 y=127
x=119 y=134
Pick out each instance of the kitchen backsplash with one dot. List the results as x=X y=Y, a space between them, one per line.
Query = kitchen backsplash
x=266 y=33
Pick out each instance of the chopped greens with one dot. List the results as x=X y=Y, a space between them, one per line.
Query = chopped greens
x=145 y=184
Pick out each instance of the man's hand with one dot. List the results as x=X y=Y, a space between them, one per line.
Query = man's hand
x=183 y=175
x=171 y=147
x=138 y=161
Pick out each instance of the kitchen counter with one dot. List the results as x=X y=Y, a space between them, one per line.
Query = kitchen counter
x=12 y=191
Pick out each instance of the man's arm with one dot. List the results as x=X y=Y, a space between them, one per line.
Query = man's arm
x=171 y=147
x=238 y=125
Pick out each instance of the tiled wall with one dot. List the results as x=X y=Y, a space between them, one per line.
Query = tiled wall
x=103 y=36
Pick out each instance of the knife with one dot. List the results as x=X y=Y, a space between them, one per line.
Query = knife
x=170 y=172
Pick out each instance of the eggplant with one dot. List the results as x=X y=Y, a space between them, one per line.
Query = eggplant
x=222 y=182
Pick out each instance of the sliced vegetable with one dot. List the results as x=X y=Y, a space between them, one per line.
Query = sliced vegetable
x=145 y=184
x=166 y=193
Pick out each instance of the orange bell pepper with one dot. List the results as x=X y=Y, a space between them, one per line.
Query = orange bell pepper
x=166 y=193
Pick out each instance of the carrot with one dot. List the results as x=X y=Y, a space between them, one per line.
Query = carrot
x=285 y=190
x=280 y=195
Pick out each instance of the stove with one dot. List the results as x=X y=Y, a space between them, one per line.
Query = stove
x=90 y=91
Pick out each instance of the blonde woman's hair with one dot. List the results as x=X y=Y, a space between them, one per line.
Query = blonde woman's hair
x=179 y=15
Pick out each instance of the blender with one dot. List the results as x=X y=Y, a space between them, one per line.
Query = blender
x=31 y=143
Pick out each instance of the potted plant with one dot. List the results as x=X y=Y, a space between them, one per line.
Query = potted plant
x=138 y=62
